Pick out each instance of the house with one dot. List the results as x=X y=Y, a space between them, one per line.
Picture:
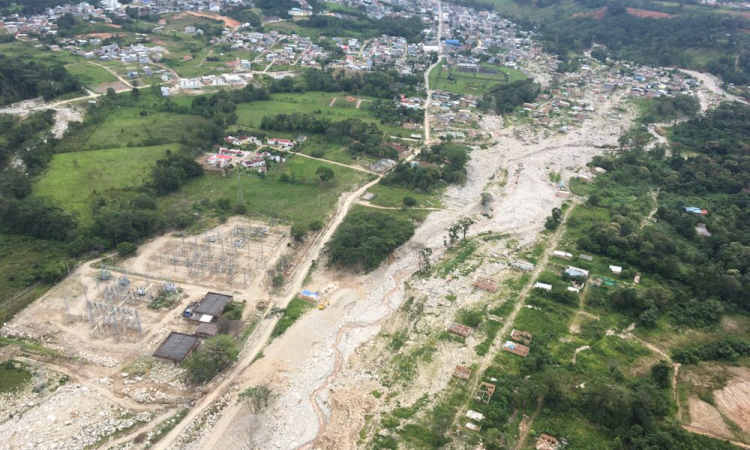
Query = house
x=165 y=92
x=547 y=442
x=486 y=284
x=219 y=160
x=176 y=347
x=211 y=307
x=616 y=269
x=586 y=257
x=285 y=144
x=523 y=265
x=382 y=165
x=576 y=272
x=460 y=330
x=546 y=287
x=254 y=163
x=563 y=255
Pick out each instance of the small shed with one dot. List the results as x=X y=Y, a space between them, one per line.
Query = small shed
x=516 y=349
x=207 y=330
x=521 y=336
x=562 y=254
x=523 y=265
x=309 y=296
x=176 y=347
x=462 y=372
x=545 y=286
x=616 y=269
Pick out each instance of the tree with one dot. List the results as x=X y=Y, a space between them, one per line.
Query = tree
x=257 y=397
x=135 y=94
x=298 y=232
x=126 y=248
x=554 y=220
x=410 y=201
x=213 y=356
x=465 y=224
x=111 y=94
x=325 y=173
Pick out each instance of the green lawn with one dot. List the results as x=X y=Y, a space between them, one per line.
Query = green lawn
x=302 y=199
x=90 y=75
x=461 y=83
x=315 y=103
x=72 y=178
x=393 y=196
x=12 y=377
x=126 y=126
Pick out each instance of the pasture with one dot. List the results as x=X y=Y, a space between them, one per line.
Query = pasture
x=73 y=179
x=127 y=126
x=301 y=199
x=90 y=75
x=313 y=103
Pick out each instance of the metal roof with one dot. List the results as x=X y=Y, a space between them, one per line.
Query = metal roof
x=176 y=347
x=213 y=304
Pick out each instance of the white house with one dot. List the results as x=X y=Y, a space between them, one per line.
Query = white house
x=219 y=160
x=286 y=144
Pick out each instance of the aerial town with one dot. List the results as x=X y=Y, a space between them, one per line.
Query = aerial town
x=370 y=224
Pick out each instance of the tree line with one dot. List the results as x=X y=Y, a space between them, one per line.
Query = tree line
x=356 y=135
x=381 y=84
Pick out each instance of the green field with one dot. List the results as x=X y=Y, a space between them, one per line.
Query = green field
x=125 y=126
x=302 y=199
x=316 y=103
x=393 y=196
x=13 y=375
x=460 y=83
x=72 y=178
x=90 y=75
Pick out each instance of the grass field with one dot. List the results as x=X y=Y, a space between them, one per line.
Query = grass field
x=393 y=196
x=126 y=126
x=302 y=199
x=315 y=103
x=72 y=178
x=461 y=83
x=13 y=375
x=90 y=75
x=296 y=308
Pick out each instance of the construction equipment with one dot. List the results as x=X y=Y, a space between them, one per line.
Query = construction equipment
x=322 y=305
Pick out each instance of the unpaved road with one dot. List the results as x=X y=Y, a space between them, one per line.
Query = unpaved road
x=261 y=336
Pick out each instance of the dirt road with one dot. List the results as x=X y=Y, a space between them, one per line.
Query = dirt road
x=428 y=100
x=260 y=338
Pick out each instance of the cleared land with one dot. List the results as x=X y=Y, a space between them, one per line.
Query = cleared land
x=73 y=178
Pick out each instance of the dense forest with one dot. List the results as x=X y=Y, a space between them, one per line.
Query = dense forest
x=410 y=29
x=21 y=79
x=706 y=274
x=375 y=84
x=443 y=164
x=503 y=98
x=366 y=238
x=657 y=42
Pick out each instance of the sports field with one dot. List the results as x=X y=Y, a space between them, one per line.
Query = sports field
x=452 y=80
